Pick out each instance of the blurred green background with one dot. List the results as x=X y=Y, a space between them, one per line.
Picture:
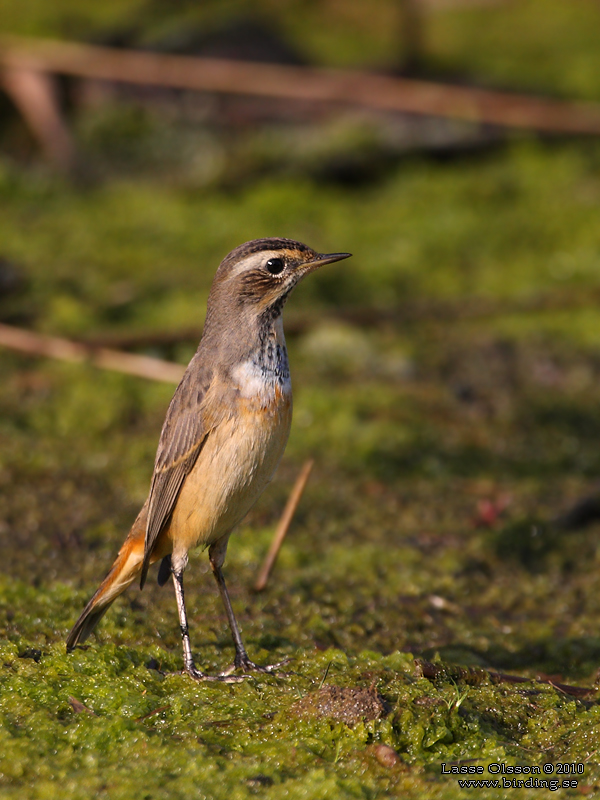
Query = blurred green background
x=446 y=382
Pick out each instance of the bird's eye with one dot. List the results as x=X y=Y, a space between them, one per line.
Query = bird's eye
x=275 y=265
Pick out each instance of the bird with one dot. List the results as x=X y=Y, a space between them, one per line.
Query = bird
x=224 y=433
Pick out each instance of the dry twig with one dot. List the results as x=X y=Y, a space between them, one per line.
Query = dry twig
x=348 y=87
x=37 y=344
x=79 y=707
x=34 y=93
x=408 y=312
x=475 y=676
x=284 y=524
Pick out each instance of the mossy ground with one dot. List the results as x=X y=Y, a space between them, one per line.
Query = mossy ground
x=446 y=444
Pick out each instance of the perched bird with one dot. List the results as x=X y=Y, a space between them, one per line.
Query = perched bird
x=224 y=434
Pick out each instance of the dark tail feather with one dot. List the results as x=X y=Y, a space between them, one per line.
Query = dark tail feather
x=123 y=572
x=164 y=571
x=86 y=623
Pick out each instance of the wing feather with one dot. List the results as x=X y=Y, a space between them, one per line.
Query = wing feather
x=182 y=438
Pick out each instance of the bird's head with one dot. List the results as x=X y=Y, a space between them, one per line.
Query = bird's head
x=257 y=277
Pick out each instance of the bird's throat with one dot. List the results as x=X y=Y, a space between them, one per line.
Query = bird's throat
x=264 y=373
x=271 y=358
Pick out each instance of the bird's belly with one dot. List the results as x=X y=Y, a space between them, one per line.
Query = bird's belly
x=233 y=468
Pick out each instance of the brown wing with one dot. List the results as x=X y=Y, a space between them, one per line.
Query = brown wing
x=181 y=440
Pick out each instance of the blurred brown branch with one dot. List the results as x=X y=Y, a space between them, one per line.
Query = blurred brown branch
x=34 y=93
x=332 y=86
x=409 y=312
x=65 y=350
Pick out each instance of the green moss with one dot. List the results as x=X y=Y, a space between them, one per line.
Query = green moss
x=445 y=446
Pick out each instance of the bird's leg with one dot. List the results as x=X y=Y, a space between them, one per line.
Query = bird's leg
x=241 y=660
x=188 y=661
x=216 y=555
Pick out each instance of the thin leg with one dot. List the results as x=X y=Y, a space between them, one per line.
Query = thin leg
x=241 y=660
x=188 y=661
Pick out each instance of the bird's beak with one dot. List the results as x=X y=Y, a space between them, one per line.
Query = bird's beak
x=325 y=258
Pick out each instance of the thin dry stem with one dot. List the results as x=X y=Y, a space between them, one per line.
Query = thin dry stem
x=37 y=344
x=284 y=524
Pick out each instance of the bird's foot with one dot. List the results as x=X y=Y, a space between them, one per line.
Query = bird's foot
x=198 y=675
x=243 y=662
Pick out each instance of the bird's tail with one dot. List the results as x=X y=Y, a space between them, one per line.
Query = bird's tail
x=123 y=572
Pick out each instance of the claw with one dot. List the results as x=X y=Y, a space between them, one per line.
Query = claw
x=249 y=666
x=197 y=675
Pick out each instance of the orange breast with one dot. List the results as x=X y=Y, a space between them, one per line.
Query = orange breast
x=236 y=463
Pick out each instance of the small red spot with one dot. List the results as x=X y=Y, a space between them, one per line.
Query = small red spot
x=490 y=510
